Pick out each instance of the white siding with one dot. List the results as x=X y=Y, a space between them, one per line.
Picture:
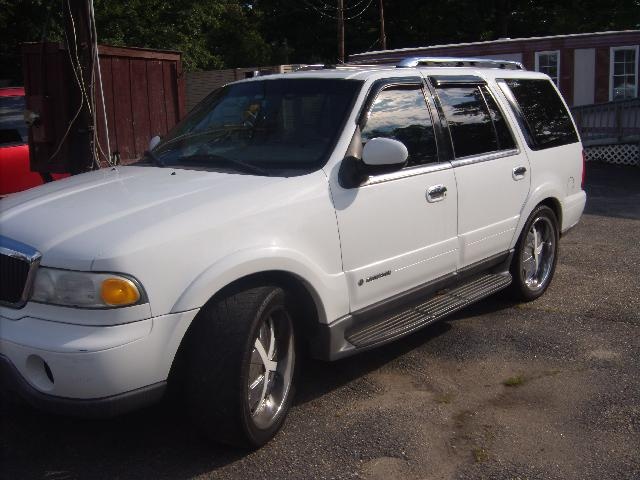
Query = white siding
x=584 y=76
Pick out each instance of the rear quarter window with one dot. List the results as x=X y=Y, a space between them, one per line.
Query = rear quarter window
x=544 y=119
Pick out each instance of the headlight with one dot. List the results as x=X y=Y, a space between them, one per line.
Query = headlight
x=84 y=289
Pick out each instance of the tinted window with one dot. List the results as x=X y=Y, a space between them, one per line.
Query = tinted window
x=13 y=130
x=470 y=124
x=505 y=138
x=401 y=113
x=269 y=124
x=546 y=120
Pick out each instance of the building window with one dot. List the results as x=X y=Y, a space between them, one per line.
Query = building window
x=549 y=63
x=623 y=73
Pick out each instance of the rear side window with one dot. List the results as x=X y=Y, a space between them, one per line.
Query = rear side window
x=476 y=123
x=505 y=138
x=546 y=122
x=401 y=113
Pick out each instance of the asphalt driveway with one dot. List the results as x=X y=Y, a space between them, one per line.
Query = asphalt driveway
x=544 y=390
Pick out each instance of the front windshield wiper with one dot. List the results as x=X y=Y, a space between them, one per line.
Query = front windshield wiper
x=212 y=131
x=205 y=159
x=154 y=158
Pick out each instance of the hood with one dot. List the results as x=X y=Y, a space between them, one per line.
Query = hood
x=76 y=220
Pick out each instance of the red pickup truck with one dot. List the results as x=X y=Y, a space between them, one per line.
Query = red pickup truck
x=15 y=174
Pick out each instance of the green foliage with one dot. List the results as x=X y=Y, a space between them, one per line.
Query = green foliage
x=234 y=33
x=163 y=24
x=25 y=21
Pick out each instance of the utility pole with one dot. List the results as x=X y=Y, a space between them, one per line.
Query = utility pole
x=340 y=31
x=383 y=37
x=77 y=25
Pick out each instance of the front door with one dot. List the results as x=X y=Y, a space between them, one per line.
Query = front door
x=398 y=229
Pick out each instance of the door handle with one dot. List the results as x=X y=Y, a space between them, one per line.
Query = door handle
x=518 y=173
x=436 y=193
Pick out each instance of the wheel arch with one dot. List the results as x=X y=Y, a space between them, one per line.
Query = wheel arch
x=327 y=290
x=306 y=307
x=305 y=299
x=546 y=194
x=554 y=204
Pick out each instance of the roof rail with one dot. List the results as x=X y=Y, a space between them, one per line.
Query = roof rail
x=458 y=62
x=315 y=66
x=322 y=66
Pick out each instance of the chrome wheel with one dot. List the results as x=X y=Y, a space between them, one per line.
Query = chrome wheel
x=538 y=253
x=271 y=368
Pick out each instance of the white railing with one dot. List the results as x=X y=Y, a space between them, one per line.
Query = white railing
x=609 y=123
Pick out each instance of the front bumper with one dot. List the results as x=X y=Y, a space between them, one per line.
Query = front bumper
x=13 y=381
x=90 y=370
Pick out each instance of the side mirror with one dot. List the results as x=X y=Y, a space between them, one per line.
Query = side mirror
x=379 y=152
x=153 y=143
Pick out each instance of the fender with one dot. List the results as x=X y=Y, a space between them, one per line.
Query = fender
x=329 y=291
x=547 y=189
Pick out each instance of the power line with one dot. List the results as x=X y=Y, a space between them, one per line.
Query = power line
x=104 y=106
x=336 y=17
x=326 y=6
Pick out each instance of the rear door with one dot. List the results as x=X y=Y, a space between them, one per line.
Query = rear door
x=492 y=173
x=398 y=229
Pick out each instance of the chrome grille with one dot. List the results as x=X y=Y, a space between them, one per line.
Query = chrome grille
x=18 y=263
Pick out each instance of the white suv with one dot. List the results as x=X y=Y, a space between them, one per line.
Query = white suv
x=323 y=212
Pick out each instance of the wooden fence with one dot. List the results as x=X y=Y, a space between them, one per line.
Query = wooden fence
x=611 y=123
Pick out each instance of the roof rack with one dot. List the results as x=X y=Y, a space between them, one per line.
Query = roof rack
x=458 y=62
x=322 y=66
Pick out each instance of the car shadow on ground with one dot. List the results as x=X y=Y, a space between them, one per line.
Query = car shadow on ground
x=159 y=441
x=321 y=378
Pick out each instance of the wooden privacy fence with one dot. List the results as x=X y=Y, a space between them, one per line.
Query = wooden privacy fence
x=611 y=123
x=143 y=97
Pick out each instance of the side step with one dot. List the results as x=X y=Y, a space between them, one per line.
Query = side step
x=414 y=317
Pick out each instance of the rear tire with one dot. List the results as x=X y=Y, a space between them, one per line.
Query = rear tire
x=240 y=366
x=536 y=255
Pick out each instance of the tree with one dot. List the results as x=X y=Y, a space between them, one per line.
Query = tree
x=25 y=21
x=234 y=33
x=163 y=24
x=210 y=33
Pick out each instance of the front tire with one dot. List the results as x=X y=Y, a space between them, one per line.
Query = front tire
x=536 y=255
x=241 y=363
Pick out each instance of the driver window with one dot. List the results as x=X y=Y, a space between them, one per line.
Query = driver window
x=401 y=113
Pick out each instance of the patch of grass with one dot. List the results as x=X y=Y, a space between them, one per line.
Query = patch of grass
x=480 y=454
x=445 y=398
x=516 y=381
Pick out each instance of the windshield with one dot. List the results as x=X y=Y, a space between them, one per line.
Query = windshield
x=13 y=130
x=261 y=126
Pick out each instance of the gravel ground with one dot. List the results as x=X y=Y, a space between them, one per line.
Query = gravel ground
x=544 y=390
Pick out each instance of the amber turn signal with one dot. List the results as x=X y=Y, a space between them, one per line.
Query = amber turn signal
x=119 y=292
